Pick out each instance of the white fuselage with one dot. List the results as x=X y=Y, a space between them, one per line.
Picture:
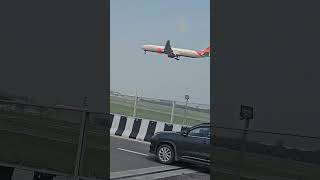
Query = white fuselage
x=177 y=51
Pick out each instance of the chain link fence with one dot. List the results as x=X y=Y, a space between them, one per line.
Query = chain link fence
x=176 y=112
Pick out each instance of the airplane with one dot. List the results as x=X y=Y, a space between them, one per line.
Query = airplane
x=176 y=52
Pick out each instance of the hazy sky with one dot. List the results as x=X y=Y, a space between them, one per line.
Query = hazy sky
x=134 y=23
x=270 y=60
x=53 y=55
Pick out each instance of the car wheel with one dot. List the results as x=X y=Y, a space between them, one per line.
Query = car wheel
x=165 y=154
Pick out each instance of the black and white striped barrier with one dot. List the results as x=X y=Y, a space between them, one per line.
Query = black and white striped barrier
x=140 y=129
x=8 y=172
x=12 y=172
x=134 y=128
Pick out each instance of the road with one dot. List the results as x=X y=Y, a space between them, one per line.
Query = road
x=130 y=158
x=135 y=155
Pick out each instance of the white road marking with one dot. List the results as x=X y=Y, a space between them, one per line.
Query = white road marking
x=132 y=152
x=142 y=171
x=162 y=175
x=129 y=139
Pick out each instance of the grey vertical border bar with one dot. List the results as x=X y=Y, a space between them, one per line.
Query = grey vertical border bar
x=213 y=17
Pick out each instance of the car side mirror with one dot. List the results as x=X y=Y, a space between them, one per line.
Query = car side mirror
x=184 y=133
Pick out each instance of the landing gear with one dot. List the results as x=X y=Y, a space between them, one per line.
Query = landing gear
x=172 y=55
x=145 y=52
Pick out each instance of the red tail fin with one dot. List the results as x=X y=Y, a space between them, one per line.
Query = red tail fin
x=205 y=52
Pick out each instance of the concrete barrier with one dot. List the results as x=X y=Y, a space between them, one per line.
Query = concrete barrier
x=140 y=129
x=13 y=172
x=134 y=128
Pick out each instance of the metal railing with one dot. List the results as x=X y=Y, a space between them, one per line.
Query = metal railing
x=75 y=141
x=68 y=140
x=267 y=155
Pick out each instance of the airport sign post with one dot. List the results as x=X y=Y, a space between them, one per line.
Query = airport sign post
x=186 y=97
x=246 y=113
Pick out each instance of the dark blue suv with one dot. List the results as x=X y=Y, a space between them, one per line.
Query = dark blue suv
x=192 y=144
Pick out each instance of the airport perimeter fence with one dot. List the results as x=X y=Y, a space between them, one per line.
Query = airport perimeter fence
x=70 y=141
x=257 y=154
x=176 y=112
x=51 y=138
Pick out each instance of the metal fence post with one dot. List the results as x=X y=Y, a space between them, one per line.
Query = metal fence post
x=135 y=106
x=172 y=112
x=243 y=146
x=80 y=150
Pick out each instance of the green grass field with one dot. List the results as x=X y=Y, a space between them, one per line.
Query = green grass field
x=157 y=112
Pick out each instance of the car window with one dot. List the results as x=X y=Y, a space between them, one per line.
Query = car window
x=200 y=132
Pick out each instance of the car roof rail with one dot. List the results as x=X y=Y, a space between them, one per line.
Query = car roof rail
x=206 y=124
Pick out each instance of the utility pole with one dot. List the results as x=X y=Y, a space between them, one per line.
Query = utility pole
x=172 y=112
x=246 y=114
x=135 y=105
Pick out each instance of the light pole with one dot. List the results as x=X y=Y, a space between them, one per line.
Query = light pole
x=172 y=112
x=186 y=97
x=135 y=105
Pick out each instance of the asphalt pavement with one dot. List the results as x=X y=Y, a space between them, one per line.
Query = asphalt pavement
x=128 y=155
x=130 y=159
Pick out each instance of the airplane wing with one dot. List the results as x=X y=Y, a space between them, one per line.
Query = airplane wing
x=167 y=48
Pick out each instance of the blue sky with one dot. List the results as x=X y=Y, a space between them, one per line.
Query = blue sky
x=186 y=23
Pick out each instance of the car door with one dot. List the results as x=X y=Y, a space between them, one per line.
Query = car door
x=195 y=144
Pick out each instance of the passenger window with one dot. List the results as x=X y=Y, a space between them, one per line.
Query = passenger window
x=200 y=132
